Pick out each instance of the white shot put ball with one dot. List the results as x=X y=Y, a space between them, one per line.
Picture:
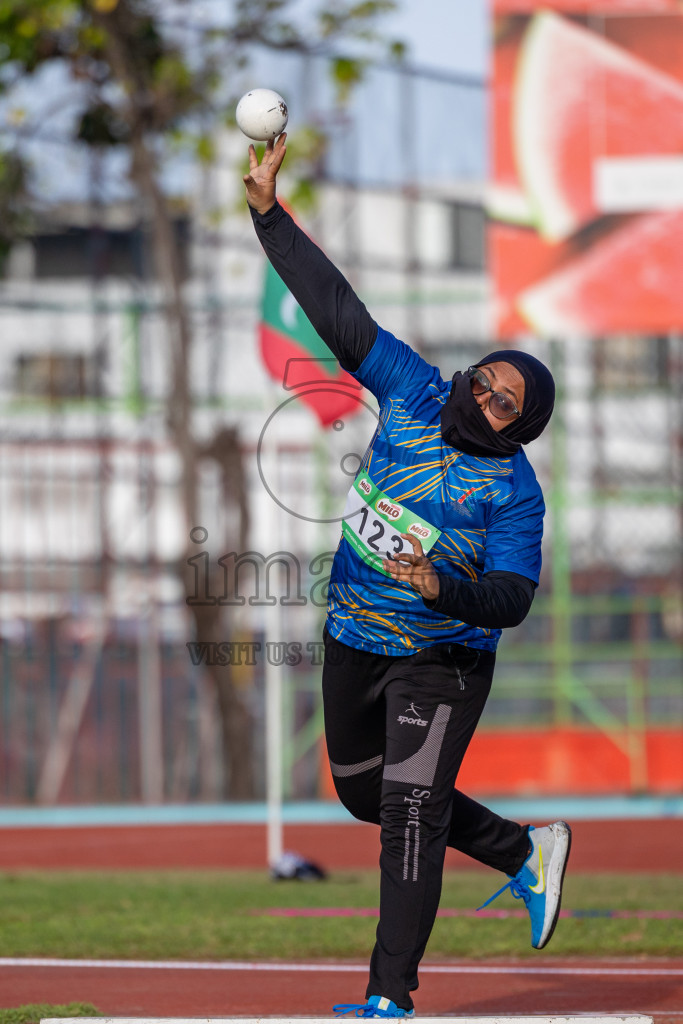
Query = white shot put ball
x=261 y=114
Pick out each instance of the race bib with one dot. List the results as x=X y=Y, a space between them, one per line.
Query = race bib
x=373 y=524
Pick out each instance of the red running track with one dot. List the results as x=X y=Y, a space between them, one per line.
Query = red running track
x=539 y=986
x=606 y=846
x=550 y=987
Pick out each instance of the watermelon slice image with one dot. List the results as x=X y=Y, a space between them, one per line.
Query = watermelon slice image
x=588 y=6
x=518 y=258
x=579 y=98
x=658 y=41
x=506 y=199
x=629 y=280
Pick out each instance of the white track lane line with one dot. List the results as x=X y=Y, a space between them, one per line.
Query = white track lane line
x=236 y=965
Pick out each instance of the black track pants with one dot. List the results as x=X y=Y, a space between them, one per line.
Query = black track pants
x=397 y=730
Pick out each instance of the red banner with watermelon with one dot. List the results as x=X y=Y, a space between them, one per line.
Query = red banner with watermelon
x=586 y=198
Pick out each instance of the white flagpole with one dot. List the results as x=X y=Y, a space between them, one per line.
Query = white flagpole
x=273 y=679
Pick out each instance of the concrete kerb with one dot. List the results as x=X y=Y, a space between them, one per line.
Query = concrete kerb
x=579 y=1019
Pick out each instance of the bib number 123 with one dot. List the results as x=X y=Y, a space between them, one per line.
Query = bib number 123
x=373 y=524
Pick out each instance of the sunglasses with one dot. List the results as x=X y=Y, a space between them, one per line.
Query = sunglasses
x=500 y=404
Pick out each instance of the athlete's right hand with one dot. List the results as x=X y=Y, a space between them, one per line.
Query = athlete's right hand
x=260 y=181
x=415 y=569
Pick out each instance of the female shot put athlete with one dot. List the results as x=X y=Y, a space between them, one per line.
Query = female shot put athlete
x=440 y=550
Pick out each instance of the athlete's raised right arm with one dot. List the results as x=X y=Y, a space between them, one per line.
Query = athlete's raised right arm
x=324 y=294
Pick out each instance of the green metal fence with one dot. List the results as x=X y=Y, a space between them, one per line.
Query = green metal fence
x=92 y=611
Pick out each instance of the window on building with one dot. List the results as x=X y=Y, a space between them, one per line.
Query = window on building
x=101 y=252
x=469 y=236
x=630 y=362
x=54 y=375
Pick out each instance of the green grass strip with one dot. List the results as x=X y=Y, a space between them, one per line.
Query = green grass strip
x=219 y=915
x=34 y=1012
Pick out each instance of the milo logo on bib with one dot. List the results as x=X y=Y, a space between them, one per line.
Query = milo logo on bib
x=389 y=511
x=373 y=525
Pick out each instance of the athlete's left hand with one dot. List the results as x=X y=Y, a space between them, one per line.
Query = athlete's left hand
x=415 y=569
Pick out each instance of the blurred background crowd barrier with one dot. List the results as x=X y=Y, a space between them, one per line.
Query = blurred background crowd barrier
x=134 y=643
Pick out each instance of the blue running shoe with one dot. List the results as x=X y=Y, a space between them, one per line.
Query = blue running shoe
x=376 y=1006
x=539 y=881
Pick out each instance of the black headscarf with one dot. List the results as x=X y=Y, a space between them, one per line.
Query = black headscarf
x=464 y=425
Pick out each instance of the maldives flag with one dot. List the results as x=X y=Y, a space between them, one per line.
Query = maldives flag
x=296 y=356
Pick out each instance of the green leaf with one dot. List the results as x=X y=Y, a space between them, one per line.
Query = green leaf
x=371 y=8
x=205 y=149
x=101 y=125
x=346 y=72
x=397 y=50
x=304 y=195
x=27 y=27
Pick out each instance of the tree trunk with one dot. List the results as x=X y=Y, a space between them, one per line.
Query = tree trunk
x=210 y=620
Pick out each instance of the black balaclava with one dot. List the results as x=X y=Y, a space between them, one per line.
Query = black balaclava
x=464 y=425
